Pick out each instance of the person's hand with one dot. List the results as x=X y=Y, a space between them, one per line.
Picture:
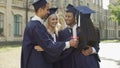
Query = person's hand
x=74 y=43
x=38 y=48
x=88 y=51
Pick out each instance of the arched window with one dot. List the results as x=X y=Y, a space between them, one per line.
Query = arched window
x=1 y=24
x=17 y=25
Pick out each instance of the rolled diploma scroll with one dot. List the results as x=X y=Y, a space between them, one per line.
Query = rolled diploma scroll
x=74 y=32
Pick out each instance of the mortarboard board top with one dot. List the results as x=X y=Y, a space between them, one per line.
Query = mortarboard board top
x=52 y=11
x=85 y=10
x=71 y=8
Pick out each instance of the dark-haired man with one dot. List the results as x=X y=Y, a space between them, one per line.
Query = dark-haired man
x=36 y=34
x=80 y=57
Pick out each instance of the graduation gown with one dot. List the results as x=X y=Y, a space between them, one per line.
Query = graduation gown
x=36 y=34
x=65 y=61
x=91 y=61
x=64 y=54
x=76 y=59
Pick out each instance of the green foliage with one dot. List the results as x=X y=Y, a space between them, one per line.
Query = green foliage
x=115 y=10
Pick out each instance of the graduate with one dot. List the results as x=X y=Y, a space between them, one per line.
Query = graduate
x=36 y=34
x=89 y=40
x=86 y=32
x=51 y=25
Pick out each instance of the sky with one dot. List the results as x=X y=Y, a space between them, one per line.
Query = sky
x=105 y=4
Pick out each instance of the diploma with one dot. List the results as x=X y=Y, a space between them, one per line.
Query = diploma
x=74 y=32
x=79 y=21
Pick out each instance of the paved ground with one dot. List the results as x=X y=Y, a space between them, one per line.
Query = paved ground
x=10 y=57
x=109 y=54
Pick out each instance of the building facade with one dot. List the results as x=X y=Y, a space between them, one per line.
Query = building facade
x=14 y=14
x=101 y=19
x=13 y=19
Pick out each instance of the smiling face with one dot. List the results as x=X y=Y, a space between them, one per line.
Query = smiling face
x=52 y=20
x=43 y=12
x=70 y=18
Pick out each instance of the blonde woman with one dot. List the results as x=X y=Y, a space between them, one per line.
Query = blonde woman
x=53 y=28
x=54 y=23
x=51 y=23
x=61 y=21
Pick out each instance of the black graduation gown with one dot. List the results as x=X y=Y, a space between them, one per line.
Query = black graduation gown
x=55 y=60
x=36 y=34
x=91 y=61
x=64 y=35
x=76 y=59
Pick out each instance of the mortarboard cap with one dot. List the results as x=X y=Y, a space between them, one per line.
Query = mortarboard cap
x=39 y=3
x=71 y=8
x=52 y=11
x=85 y=10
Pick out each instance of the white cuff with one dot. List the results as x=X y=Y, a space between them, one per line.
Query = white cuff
x=93 y=50
x=67 y=45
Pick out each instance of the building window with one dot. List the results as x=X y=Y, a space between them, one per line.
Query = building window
x=88 y=4
x=81 y=2
x=53 y=3
x=57 y=3
x=17 y=25
x=65 y=2
x=96 y=2
x=119 y=33
x=1 y=24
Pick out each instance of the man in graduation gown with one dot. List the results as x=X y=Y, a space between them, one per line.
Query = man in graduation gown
x=78 y=59
x=36 y=34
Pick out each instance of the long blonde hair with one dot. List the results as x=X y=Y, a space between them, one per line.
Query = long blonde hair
x=60 y=25
x=47 y=25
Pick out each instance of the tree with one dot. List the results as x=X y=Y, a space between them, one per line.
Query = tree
x=115 y=11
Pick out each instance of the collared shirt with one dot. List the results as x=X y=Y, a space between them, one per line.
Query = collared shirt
x=52 y=34
x=73 y=28
x=37 y=18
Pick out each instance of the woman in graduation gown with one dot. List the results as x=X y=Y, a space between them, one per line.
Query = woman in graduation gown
x=53 y=26
x=86 y=56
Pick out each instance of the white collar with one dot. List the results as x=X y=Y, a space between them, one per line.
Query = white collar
x=75 y=26
x=53 y=35
x=74 y=30
x=37 y=18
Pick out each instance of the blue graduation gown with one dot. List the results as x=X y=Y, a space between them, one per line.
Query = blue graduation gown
x=91 y=61
x=76 y=59
x=64 y=35
x=36 y=34
x=64 y=54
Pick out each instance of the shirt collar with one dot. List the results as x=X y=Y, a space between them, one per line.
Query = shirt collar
x=37 y=18
x=75 y=26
